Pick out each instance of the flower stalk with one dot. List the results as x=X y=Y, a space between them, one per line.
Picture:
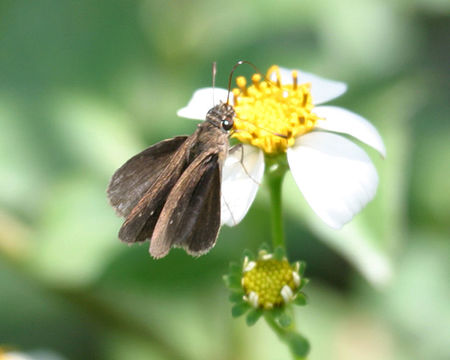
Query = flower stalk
x=297 y=344
x=276 y=168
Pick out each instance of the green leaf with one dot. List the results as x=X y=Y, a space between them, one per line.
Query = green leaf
x=253 y=316
x=239 y=309
x=301 y=299
x=297 y=344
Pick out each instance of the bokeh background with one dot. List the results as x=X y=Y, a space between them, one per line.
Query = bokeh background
x=84 y=85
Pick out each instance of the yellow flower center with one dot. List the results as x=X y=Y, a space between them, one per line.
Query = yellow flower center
x=270 y=115
x=268 y=282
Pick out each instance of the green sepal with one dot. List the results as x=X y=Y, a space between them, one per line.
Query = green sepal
x=275 y=313
x=239 y=309
x=298 y=345
x=272 y=314
x=264 y=247
x=235 y=269
x=303 y=282
x=302 y=268
x=253 y=316
x=280 y=316
x=279 y=253
x=233 y=281
x=301 y=299
x=236 y=297
x=249 y=254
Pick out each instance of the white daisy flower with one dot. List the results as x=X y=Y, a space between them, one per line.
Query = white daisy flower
x=335 y=176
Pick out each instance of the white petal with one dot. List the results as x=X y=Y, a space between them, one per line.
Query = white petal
x=335 y=176
x=241 y=175
x=286 y=293
x=253 y=299
x=296 y=278
x=250 y=266
x=344 y=121
x=203 y=100
x=267 y=256
x=322 y=90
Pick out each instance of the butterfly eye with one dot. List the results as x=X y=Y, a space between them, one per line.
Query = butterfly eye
x=227 y=124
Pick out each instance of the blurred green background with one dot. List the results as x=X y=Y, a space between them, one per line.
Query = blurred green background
x=84 y=85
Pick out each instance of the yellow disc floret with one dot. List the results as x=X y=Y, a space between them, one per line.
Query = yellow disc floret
x=269 y=282
x=271 y=115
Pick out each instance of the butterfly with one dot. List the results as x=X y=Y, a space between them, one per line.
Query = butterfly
x=170 y=193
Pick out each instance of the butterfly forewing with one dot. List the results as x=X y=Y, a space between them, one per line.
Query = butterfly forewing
x=133 y=179
x=139 y=224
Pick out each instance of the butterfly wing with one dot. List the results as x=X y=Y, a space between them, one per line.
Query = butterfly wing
x=133 y=179
x=204 y=234
x=139 y=224
x=191 y=216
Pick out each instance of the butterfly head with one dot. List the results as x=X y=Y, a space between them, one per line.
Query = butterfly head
x=221 y=116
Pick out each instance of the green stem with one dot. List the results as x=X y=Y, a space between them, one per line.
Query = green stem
x=283 y=334
x=275 y=327
x=276 y=168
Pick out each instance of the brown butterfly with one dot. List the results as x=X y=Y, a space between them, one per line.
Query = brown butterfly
x=170 y=193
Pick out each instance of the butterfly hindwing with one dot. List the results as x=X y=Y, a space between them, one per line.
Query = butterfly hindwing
x=194 y=202
x=204 y=234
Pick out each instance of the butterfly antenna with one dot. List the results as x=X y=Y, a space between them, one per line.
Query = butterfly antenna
x=214 y=71
x=264 y=129
x=240 y=62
